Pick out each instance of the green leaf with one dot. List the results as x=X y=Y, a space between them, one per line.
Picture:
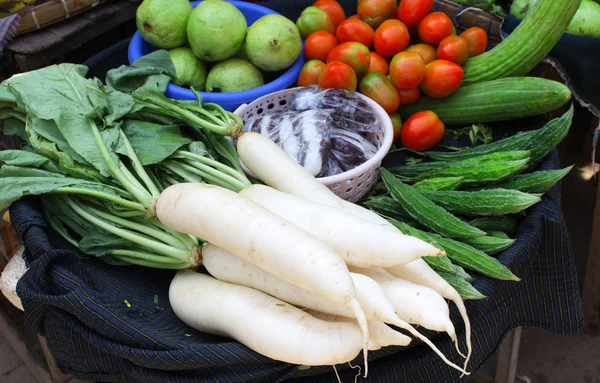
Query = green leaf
x=48 y=130
x=303 y=367
x=144 y=137
x=100 y=243
x=156 y=299
x=15 y=127
x=155 y=67
x=20 y=171
x=27 y=159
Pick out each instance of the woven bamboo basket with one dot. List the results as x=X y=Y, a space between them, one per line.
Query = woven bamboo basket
x=52 y=12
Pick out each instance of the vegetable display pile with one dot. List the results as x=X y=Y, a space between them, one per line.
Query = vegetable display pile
x=90 y=153
x=293 y=271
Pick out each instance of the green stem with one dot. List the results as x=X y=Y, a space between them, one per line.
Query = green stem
x=145 y=229
x=205 y=113
x=186 y=239
x=190 y=117
x=215 y=164
x=218 y=179
x=95 y=193
x=62 y=232
x=152 y=264
x=185 y=175
x=138 y=193
x=138 y=167
x=206 y=171
x=145 y=256
x=159 y=247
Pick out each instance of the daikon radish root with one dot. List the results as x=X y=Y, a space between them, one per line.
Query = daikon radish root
x=419 y=272
x=248 y=230
x=230 y=268
x=358 y=242
x=414 y=303
x=381 y=335
x=265 y=324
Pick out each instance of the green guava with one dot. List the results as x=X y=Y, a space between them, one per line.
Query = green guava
x=163 y=23
x=216 y=30
x=233 y=75
x=273 y=43
x=190 y=70
x=241 y=53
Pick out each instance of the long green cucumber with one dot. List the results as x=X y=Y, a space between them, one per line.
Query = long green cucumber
x=497 y=100
x=482 y=202
x=440 y=183
x=426 y=212
x=526 y=46
x=548 y=138
x=473 y=173
x=489 y=244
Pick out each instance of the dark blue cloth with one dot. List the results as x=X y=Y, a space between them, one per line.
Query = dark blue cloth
x=115 y=324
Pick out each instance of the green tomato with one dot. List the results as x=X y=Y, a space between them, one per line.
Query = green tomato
x=314 y=19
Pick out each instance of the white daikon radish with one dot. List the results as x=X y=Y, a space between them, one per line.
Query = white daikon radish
x=265 y=324
x=419 y=272
x=414 y=303
x=231 y=268
x=277 y=169
x=248 y=230
x=358 y=242
x=381 y=335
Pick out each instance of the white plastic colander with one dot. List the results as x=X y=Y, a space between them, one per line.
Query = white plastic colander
x=351 y=185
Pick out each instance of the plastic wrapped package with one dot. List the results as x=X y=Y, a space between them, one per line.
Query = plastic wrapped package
x=350 y=149
x=304 y=136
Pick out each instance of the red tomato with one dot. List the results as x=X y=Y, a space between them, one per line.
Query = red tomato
x=477 y=39
x=381 y=90
x=355 y=30
x=352 y=53
x=409 y=96
x=407 y=70
x=309 y=75
x=426 y=51
x=434 y=27
x=454 y=48
x=375 y=12
x=338 y=75
x=391 y=37
x=397 y=124
x=354 y=17
x=442 y=79
x=411 y=12
x=318 y=45
x=333 y=8
x=377 y=64
x=422 y=131
x=314 y=19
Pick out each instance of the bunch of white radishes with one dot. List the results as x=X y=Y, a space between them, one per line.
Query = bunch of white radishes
x=298 y=274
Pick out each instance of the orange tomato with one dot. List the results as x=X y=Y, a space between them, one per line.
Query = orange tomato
x=355 y=30
x=381 y=90
x=477 y=39
x=375 y=12
x=442 y=79
x=434 y=27
x=391 y=37
x=422 y=131
x=309 y=75
x=338 y=75
x=333 y=8
x=409 y=96
x=352 y=53
x=318 y=45
x=454 y=48
x=377 y=63
x=426 y=51
x=407 y=70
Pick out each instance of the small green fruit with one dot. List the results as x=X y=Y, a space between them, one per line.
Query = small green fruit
x=216 y=30
x=233 y=75
x=190 y=71
x=163 y=23
x=273 y=43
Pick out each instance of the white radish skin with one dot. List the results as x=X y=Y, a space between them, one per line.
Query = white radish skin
x=414 y=303
x=381 y=335
x=265 y=324
x=248 y=230
x=231 y=268
x=419 y=272
x=278 y=170
x=358 y=242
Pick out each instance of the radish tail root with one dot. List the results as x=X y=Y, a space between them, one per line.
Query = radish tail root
x=463 y=312
x=362 y=322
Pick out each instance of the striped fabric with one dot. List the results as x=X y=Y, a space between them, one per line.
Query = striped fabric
x=114 y=324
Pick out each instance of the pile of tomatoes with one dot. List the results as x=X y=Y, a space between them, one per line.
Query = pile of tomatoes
x=392 y=54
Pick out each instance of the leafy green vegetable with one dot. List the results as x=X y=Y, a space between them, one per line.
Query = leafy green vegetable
x=27 y=159
x=144 y=137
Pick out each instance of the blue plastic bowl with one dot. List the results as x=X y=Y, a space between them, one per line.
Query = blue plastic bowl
x=138 y=47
